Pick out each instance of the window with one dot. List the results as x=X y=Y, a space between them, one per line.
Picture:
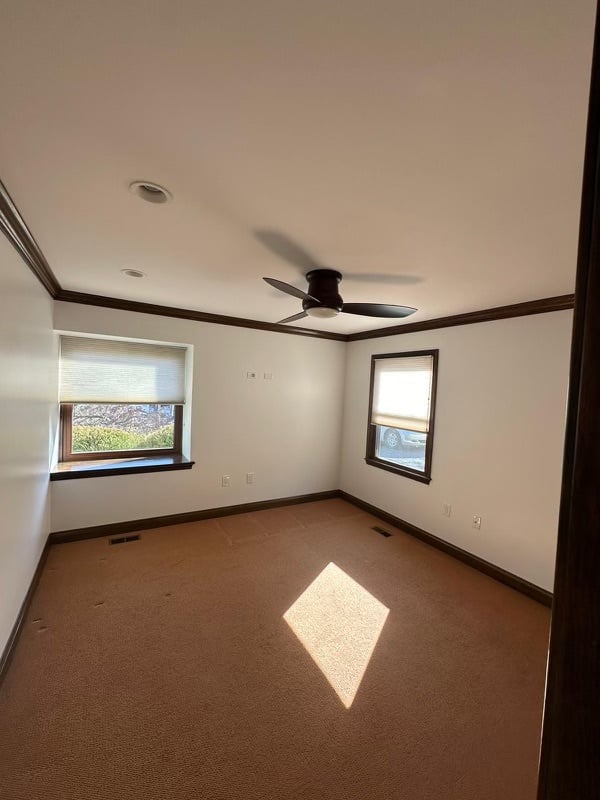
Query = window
x=120 y=399
x=401 y=413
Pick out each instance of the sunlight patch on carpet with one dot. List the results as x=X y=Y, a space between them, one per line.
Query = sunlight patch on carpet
x=338 y=622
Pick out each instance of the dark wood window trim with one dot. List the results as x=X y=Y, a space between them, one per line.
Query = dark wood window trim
x=66 y=438
x=370 y=457
x=70 y=470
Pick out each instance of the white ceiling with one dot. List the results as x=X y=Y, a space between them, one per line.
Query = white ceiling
x=430 y=151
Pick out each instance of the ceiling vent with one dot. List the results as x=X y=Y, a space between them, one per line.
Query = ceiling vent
x=151 y=192
x=133 y=273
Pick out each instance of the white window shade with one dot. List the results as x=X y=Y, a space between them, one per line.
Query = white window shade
x=111 y=371
x=402 y=392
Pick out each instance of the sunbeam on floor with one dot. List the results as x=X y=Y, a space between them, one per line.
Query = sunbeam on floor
x=339 y=622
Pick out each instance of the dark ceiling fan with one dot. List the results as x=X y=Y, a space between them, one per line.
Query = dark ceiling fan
x=323 y=299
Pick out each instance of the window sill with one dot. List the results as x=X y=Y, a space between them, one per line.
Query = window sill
x=70 y=470
x=407 y=473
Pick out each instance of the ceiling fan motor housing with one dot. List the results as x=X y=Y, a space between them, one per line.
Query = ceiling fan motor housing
x=323 y=285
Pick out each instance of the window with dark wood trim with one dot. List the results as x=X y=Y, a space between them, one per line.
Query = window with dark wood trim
x=400 y=432
x=120 y=399
x=68 y=453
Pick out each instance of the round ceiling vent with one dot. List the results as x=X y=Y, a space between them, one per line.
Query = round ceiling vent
x=133 y=273
x=151 y=192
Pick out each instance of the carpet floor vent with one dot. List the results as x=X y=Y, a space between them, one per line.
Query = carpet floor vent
x=123 y=539
x=382 y=532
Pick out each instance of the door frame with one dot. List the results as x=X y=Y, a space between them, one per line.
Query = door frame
x=570 y=754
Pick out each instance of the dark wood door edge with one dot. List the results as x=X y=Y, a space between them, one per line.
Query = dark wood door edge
x=499 y=574
x=116 y=528
x=570 y=759
x=18 y=234
x=9 y=648
x=543 y=306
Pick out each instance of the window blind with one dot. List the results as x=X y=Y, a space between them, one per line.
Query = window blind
x=402 y=392
x=111 y=371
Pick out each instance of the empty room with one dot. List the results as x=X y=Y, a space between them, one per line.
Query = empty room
x=298 y=456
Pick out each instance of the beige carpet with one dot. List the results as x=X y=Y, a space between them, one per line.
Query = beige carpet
x=179 y=667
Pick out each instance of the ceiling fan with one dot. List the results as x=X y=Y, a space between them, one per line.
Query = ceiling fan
x=322 y=299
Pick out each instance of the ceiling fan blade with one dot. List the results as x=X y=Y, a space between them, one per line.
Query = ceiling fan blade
x=301 y=315
x=285 y=248
x=288 y=289
x=378 y=310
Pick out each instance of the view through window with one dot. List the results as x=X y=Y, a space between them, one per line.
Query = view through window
x=107 y=427
x=402 y=447
x=400 y=432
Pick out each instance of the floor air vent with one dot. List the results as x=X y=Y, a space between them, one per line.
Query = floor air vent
x=123 y=539
x=382 y=532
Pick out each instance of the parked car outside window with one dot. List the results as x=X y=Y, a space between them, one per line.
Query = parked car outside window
x=395 y=438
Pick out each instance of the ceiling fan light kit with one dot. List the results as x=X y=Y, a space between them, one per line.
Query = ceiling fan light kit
x=322 y=312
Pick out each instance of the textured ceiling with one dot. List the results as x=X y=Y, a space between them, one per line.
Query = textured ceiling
x=431 y=152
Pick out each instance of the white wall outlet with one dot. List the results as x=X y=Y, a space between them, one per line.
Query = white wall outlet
x=268 y=376
x=249 y=477
x=250 y=375
x=225 y=481
x=447 y=509
x=476 y=523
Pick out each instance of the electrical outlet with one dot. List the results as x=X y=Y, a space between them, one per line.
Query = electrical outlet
x=447 y=510
x=250 y=375
x=476 y=522
x=249 y=477
x=225 y=481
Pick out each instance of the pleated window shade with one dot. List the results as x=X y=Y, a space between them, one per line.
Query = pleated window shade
x=402 y=392
x=111 y=371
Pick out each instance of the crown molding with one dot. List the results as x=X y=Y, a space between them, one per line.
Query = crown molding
x=560 y=303
x=542 y=306
x=187 y=313
x=18 y=234
x=15 y=229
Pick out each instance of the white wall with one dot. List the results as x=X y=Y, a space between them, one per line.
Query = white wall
x=285 y=430
x=28 y=394
x=498 y=444
x=498 y=440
